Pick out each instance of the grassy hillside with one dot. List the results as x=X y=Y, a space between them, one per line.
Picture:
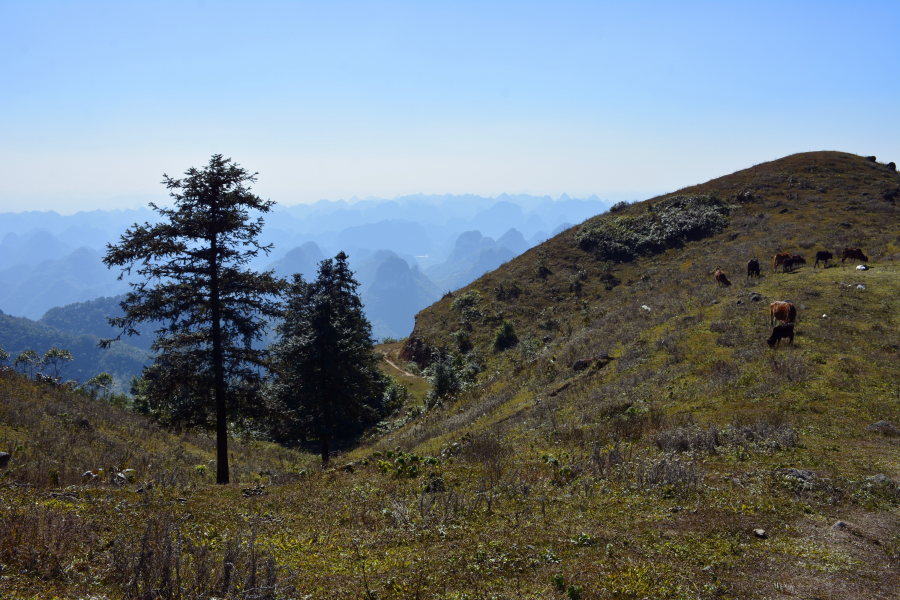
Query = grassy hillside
x=693 y=462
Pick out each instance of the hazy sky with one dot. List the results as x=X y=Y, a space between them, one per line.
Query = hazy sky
x=330 y=100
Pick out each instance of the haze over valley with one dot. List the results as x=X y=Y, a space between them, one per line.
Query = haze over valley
x=405 y=252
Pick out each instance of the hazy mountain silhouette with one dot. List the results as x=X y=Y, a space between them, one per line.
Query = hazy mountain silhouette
x=78 y=277
x=50 y=260
x=472 y=257
x=513 y=240
x=303 y=259
x=30 y=249
x=396 y=293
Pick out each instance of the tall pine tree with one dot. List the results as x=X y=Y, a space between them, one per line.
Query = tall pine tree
x=195 y=280
x=326 y=380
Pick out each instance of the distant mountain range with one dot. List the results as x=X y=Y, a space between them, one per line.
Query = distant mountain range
x=405 y=252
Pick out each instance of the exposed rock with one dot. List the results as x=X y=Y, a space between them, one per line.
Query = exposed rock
x=416 y=350
x=645 y=307
x=754 y=297
x=883 y=427
x=880 y=478
x=799 y=474
x=841 y=525
x=871 y=158
x=257 y=490
x=4 y=459
x=760 y=533
x=85 y=425
x=862 y=268
x=891 y=166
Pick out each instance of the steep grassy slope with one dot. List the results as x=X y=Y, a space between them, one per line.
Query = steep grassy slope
x=642 y=476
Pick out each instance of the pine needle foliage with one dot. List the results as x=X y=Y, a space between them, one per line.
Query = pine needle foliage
x=327 y=384
x=194 y=279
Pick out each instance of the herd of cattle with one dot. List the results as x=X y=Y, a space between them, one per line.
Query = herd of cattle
x=785 y=311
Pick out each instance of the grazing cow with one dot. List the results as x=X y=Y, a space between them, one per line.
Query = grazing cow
x=779 y=332
x=721 y=279
x=853 y=254
x=779 y=259
x=583 y=363
x=753 y=268
x=783 y=311
x=790 y=263
x=824 y=256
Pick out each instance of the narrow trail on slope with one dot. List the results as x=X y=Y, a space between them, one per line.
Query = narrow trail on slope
x=390 y=362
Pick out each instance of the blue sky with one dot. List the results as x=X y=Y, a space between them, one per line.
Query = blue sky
x=331 y=100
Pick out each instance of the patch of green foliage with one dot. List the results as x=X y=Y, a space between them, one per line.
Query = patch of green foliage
x=666 y=224
x=505 y=336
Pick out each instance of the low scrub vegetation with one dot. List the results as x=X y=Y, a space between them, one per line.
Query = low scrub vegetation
x=683 y=458
x=664 y=224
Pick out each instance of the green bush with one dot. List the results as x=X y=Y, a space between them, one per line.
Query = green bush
x=444 y=379
x=467 y=304
x=505 y=336
x=666 y=224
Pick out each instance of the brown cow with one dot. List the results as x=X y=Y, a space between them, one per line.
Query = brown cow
x=783 y=311
x=790 y=263
x=853 y=254
x=721 y=279
x=779 y=260
x=779 y=332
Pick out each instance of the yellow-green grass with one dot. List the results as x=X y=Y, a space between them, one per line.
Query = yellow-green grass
x=551 y=483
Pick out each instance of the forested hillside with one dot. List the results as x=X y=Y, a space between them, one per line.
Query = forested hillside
x=122 y=360
x=91 y=318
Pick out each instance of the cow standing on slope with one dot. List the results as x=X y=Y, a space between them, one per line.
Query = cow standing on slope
x=779 y=260
x=721 y=279
x=853 y=254
x=753 y=268
x=782 y=311
x=793 y=261
x=823 y=256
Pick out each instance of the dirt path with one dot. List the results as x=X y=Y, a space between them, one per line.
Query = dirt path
x=390 y=362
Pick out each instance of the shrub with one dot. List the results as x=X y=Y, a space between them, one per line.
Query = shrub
x=467 y=304
x=395 y=396
x=463 y=340
x=688 y=439
x=666 y=224
x=541 y=269
x=506 y=290
x=443 y=377
x=505 y=336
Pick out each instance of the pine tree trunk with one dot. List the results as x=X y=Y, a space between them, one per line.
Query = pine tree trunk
x=219 y=371
x=324 y=449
